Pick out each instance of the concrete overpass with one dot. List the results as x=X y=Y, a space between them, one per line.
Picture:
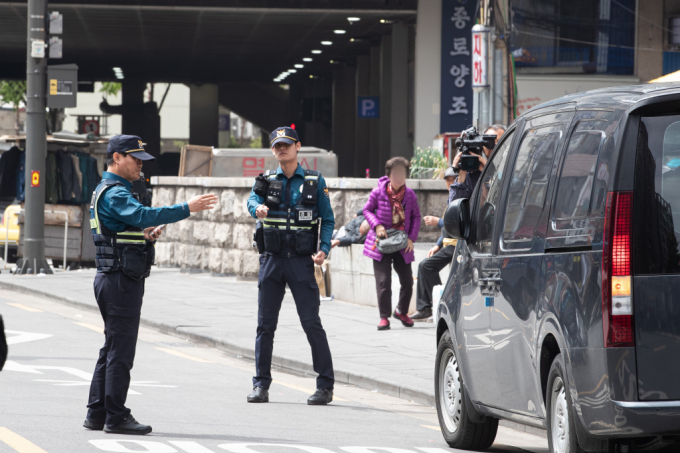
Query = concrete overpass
x=230 y=51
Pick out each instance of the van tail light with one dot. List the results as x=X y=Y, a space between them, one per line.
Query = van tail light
x=617 y=300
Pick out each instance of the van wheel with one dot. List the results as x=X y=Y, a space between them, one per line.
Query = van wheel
x=561 y=430
x=458 y=430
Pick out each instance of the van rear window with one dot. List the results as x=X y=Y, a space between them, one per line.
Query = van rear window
x=656 y=224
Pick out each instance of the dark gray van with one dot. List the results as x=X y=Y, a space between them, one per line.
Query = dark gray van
x=562 y=309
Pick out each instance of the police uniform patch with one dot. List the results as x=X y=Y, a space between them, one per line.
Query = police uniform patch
x=281 y=133
x=325 y=191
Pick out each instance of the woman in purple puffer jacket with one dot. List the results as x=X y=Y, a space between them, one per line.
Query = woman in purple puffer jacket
x=392 y=205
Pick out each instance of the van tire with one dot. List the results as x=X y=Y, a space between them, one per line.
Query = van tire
x=458 y=429
x=561 y=436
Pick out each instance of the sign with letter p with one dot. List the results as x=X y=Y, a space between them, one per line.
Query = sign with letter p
x=368 y=107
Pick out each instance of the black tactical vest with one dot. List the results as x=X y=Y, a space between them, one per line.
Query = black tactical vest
x=294 y=230
x=125 y=251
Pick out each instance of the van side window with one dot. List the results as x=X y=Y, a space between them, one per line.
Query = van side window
x=656 y=200
x=490 y=191
x=529 y=184
x=575 y=188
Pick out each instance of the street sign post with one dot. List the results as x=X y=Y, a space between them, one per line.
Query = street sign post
x=36 y=139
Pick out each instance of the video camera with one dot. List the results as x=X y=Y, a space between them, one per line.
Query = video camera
x=471 y=144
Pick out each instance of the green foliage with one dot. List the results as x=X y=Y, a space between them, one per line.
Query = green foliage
x=112 y=88
x=13 y=92
x=427 y=163
x=233 y=143
x=180 y=143
x=257 y=143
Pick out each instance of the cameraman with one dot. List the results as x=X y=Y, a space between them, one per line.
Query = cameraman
x=467 y=181
x=441 y=254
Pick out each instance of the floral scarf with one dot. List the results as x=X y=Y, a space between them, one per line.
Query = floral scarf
x=396 y=201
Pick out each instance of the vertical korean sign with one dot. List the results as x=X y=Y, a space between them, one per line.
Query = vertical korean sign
x=456 y=88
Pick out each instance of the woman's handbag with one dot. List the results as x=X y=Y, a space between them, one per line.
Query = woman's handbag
x=396 y=240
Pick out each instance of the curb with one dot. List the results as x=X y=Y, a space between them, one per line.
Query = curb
x=282 y=362
x=286 y=363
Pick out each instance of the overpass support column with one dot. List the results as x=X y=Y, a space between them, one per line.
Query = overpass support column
x=428 y=71
x=377 y=169
x=204 y=114
x=133 y=108
x=344 y=112
x=362 y=145
x=400 y=143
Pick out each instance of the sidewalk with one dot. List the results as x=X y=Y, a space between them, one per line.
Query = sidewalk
x=222 y=312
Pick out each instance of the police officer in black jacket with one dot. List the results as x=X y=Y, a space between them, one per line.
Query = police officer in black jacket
x=124 y=232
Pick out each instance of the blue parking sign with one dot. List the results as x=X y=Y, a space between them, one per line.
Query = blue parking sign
x=368 y=107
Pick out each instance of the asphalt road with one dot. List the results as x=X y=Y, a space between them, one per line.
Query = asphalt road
x=193 y=396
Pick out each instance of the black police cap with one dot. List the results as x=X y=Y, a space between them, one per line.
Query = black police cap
x=128 y=144
x=283 y=134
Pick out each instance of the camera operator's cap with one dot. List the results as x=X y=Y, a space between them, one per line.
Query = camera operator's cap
x=128 y=144
x=449 y=173
x=283 y=134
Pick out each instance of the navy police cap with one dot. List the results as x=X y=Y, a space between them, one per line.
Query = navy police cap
x=283 y=134
x=128 y=144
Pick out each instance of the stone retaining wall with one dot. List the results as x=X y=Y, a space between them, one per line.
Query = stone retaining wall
x=220 y=241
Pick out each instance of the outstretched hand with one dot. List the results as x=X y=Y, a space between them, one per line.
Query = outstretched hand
x=202 y=202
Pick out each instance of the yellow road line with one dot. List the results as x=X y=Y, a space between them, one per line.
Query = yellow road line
x=436 y=428
x=183 y=355
x=304 y=389
x=18 y=443
x=24 y=307
x=90 y=326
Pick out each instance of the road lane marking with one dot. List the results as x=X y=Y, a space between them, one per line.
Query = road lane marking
x=117 y=445
x=24 y=307
x=25 y=337
x=190 y=447
x=90 y=326
x=304 y=389
x=436 y=428
x=18 y=443
x=183 y=355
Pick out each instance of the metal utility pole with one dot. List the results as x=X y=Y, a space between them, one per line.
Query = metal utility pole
x=36 y=140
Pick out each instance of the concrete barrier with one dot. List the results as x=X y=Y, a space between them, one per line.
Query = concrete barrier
x=353 y=280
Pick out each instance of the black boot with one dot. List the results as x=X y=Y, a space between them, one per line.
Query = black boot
x=93 y=425
x=128 y=426
x=320 y=398
x=259 y=395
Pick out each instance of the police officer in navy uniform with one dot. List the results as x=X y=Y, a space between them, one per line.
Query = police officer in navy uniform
x=123 y=231
x=290 y=203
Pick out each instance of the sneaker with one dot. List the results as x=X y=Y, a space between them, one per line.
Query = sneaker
x=422 y=315
x=384 y=324
x=405 y=320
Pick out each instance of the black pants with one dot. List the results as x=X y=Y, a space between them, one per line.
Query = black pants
x=383 y=283
x=428 y=275
x=298 y=273
x=120 y=302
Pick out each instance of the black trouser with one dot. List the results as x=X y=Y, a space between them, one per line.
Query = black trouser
x=120 y=302
x=383 y=283
x=298 y=273
x=428 y=276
